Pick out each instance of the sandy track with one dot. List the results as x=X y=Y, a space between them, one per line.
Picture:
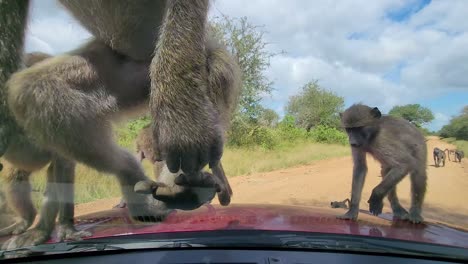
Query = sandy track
x=324 y=181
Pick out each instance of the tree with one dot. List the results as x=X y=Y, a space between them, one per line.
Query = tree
x=415 y=113
x=246 y=42
x=315 y=106
x=268 y=118
x=457 y=127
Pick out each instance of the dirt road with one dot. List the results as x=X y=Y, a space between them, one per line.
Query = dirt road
x=324 y=181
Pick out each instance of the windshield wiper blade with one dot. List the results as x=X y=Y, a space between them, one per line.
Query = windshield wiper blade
x=373 y=245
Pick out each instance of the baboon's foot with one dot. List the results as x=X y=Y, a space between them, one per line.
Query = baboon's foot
x=146 y=209
x=350 y=215
x=400 y=213
x=18 y=227
x=68 y=232
x=375 y=204
x=29 y=238
x=175 y=197
x=121 y=204
x=201 y=179
x=415 y=217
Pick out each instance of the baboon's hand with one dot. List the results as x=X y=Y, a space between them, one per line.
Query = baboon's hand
x=375 y=204
x=187 y=135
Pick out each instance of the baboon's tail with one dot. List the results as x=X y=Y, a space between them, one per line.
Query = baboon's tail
x=448 y=153
x=13 y=19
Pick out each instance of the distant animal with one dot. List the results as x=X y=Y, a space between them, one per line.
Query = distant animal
x=399 y=146
x=342 y=204
x=450 y=152
x=459 y=155
x=439 y=156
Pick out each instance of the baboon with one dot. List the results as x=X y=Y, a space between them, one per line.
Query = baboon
x=342 y=204
x=144 y=144
x=439 y=156
x=400 y=148
x=459 y=155
x=63 y=106
x=22 y=159
x=449 y=152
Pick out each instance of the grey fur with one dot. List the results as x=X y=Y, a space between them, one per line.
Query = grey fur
x=400 y=148
x=165 y=179
x=439 y=156
x=65 y=104
x=340 y=204
x=459 y=155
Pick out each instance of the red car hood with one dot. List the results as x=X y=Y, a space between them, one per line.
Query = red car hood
x=116 y=222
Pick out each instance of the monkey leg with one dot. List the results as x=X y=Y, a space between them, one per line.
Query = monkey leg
x=188 y=136
x=418 y=192
x=62 y=104
x=18 y=197
x=398 y=210
x=225 y=191
x=65 y=196
x=41 y=232
x=359 y=176
x=389 y=182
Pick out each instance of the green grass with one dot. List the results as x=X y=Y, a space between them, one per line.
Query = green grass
x=91 y=185
x=460 y=144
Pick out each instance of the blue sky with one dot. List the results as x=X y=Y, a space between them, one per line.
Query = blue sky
x=382 y=53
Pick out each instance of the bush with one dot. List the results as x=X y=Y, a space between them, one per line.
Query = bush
x=287 y=131
x=246 y=134
x=330 y=135
x=127 y=133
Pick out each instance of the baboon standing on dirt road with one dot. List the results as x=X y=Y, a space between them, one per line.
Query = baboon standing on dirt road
x=400 y=148
x=439 y=156
x=459 y=155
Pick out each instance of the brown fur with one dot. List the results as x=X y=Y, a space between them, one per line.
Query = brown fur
x=400 y=148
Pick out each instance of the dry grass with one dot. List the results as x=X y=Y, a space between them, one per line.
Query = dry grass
x=92 y=185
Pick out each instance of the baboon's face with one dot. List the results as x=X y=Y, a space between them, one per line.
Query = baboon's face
x=361 y=136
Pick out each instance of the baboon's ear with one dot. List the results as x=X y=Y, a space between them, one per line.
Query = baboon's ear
x=376 y=112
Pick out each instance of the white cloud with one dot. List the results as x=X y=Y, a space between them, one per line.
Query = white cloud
x=440 y=120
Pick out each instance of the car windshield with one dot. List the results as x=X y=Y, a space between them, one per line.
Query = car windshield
x=337 y=125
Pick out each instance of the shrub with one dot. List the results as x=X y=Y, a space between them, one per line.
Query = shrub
x=325 y=134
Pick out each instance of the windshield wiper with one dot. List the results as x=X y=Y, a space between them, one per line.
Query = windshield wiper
x=372 y=245
x=86 y=246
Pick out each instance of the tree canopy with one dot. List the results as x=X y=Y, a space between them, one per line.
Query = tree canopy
x=458 y=126
x=415 y=113
x=314 y=106
x=268 y=117
x=246 y=42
